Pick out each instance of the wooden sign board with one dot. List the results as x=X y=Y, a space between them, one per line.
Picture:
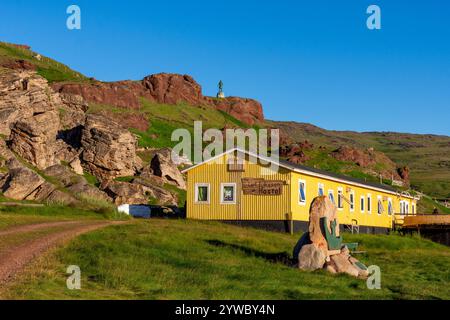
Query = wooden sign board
x=259 y=186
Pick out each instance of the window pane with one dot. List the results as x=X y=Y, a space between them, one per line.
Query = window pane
x=362 y=204
x=203 y=193
x=302 y=196
x=380 y=207
x=228 y=193
x=339 y=199
x=368 y=204
x=331 y=196
x=352 y=201
x=320 y=191
x=390 y=208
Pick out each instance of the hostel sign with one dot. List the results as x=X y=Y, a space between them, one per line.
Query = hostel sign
x=259 y=186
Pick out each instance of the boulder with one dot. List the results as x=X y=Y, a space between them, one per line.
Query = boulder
x=109 y=151
x=125 y=193
x=311 y=257
x=75 y=165
x=163 y=166
x=163 y=196
x=249 y=111
x=21 y=182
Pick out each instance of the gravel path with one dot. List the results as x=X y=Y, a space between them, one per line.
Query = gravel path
x=15 y=258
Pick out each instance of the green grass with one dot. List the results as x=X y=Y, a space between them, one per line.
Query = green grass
x=91 y=179
x=427 y=205
x=181 y=194
x=181 y=259
x=48 y=68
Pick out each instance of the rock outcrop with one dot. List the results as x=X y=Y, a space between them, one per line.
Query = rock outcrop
x=109 y=151
x=22 y=95
x=34 y=138
x=162 y=166
x=161 y=88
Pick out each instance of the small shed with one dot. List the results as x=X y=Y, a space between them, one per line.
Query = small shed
x=135 y=210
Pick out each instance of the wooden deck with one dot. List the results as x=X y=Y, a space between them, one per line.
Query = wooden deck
x=426 y=220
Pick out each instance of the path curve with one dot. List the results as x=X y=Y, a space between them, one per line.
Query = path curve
x=15 y=258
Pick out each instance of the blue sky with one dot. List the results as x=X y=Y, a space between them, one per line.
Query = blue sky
x=306 y=61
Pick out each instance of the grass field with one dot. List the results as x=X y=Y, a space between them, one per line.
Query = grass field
x=182 y=259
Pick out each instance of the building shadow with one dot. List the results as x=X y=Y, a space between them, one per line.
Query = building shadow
x=281 y=257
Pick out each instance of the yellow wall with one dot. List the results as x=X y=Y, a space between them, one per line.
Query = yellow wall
x=282 y=207
x=247 y=207
x=300 y=211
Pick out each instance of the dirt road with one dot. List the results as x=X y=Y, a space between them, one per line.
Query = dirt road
x=30 y=241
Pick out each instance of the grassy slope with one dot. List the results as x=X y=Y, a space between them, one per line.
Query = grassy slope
x=427 y=155
x=179 y=259
x=48 y=68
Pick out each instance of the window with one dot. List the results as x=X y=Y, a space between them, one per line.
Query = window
x=228 y=193
x=320 y=191
x=390 y=207
x=406 y=207
x=380 y=205
x=361 y=203
x=352 y=201
x=413 y=209
x=340 y=198
x=301 y=192
x=331 y=196
x=202 y=193
x=369 y=203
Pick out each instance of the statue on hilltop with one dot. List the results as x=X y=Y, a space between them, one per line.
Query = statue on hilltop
x=220 y=94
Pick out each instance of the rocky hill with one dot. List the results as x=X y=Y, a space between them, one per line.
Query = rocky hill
x=80 y=139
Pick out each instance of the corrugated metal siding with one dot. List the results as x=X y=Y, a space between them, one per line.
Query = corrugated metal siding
x=345 y=216
x=247 y=207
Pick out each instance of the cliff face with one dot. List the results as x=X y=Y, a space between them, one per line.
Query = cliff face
x=162 y=88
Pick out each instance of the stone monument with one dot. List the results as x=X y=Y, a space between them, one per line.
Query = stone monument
x=322 y=248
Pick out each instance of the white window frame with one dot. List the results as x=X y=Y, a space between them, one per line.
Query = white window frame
x=340 y=191
x=379 y=199
x=391 y=205
x=331 y=191
x=227 y=184
x=369 y=203
x=352 y=203
x=362 y=208
x=320 y=186
x=197 y=185
x=302 y=203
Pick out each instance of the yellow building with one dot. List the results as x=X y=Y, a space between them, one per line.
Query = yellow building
x=223 y=188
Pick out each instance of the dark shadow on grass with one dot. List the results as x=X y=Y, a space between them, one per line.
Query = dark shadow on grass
x=281 y=257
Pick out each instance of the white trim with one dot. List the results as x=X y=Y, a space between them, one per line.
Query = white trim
x=320 y=186
x=305 y=172
x=369 y=203
x=302 y=203
x=363 y=207
x=197 y=185
x=352 y=193
x=227 y=184
x=331 y=191
x=340 y=199
x=379 y=200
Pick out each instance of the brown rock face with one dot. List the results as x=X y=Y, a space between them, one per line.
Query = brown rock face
x=294 y=152
x=22 y=95
x=34 y=138
x=109 y=151
x=173 y=88
x=162 y=88
x=346 y=153
x=404 y=173
x=163 y=166
x=248 y=111
x=119 y=94
x=311 y=257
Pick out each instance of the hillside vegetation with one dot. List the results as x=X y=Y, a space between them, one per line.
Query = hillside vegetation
x=182 y=259
x=428 y=156
x=50 y=69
